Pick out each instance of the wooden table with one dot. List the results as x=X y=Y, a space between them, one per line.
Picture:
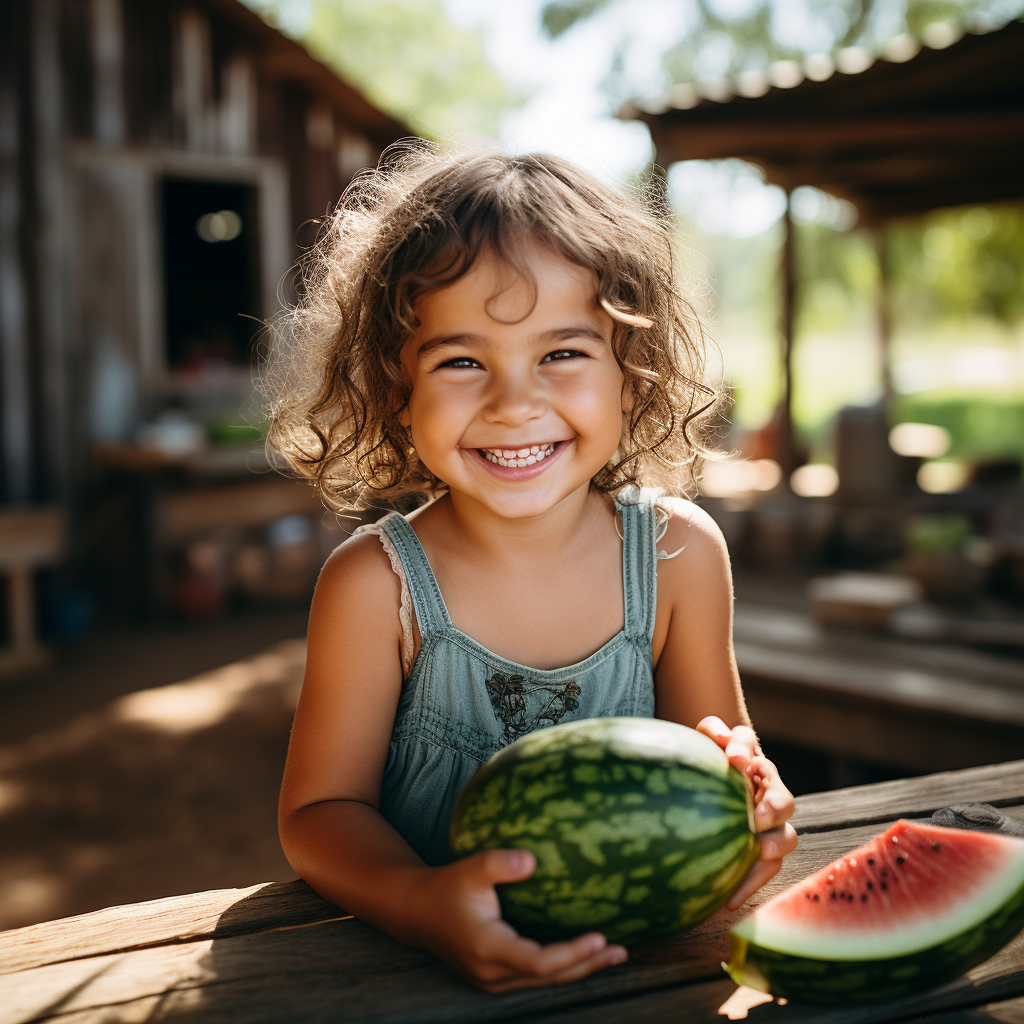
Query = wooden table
x=278 y=953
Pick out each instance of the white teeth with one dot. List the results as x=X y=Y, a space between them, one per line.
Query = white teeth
x=518 y=458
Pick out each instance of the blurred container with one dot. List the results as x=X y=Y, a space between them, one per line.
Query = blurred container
x=868 y=467
x=860 y=599
x=946 y=559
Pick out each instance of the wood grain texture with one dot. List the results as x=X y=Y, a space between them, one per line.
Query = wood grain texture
x=273 y=953
x=218 y=913
x=1009 y=1012
x=998 y=784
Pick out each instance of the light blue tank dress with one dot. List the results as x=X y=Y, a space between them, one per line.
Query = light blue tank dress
x=461 y=703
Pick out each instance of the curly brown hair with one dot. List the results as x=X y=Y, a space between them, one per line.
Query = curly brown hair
x=334 y=377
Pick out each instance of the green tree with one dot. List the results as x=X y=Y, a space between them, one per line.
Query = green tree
x=404 y=55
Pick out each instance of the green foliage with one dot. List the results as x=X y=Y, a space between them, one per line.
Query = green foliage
x=937 y=533
x=960 y=263
x=837 y=273
x=984 y=427
x=408 y=58
x=560 y=16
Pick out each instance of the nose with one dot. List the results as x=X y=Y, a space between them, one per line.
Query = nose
x=513 y=399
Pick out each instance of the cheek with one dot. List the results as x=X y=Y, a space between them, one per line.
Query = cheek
x=599 y=405
x=436 y=416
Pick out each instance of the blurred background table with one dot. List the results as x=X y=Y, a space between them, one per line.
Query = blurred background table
x=839 y=705
x=278 y=952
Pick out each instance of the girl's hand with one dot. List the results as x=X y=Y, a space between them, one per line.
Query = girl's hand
x=462 y=925
x=773 y=803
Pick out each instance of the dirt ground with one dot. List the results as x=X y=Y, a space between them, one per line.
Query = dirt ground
x=147 y=764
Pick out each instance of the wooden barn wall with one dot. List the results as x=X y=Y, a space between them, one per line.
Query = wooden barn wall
x=99 y=99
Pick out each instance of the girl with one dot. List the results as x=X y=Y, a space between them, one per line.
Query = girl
x=505 y=336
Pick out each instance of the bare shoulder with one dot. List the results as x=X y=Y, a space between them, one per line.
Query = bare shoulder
x=696 y=537
x=357 y=579
x=695 y=595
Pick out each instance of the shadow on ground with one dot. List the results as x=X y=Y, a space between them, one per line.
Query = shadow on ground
x=158 y=792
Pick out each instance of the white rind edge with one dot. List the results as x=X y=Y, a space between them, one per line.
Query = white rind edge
x=822 y=944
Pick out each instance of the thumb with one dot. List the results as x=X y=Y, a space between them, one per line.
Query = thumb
x=496 y=866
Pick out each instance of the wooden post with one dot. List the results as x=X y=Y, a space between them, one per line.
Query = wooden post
x=15 y=390
x=884 y=311
x=50 y=240
x=787 y=447
x=21 y=609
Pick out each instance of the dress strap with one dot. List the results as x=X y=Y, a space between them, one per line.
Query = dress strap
x=639 y=560
x=431 y=613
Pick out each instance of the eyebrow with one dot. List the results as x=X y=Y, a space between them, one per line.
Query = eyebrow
x=549 y=337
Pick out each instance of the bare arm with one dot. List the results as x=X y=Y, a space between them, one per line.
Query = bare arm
x=329 y=813
x=697 y=682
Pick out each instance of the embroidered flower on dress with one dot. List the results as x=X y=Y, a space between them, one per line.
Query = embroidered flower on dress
x=509 y=696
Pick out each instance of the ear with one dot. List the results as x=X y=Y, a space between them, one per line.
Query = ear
x=404 y=416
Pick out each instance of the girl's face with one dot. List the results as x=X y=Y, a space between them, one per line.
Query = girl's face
x=514 y=407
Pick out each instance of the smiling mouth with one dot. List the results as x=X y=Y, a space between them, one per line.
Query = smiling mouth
x=519 y=457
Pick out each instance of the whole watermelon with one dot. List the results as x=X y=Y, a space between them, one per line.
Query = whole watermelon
x=640 y=827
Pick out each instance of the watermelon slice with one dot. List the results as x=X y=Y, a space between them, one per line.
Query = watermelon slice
x=915 y=907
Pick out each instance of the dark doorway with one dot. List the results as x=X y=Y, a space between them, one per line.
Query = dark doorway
x=211 y=273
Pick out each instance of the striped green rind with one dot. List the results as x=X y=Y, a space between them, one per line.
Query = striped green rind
x=841 y=981
x=639 y=827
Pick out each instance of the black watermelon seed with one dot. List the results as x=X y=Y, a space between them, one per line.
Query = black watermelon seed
x=935 y=846
x=899 y=860
x=815 y=897
x=885 y=871
x=863 y=897
x=884 y=886
x=833 y=894
x=807 y=895
x=871 y=860
x=871 y=885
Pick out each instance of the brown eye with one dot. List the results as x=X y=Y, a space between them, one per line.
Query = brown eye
x=460 y=363
x=562 y=353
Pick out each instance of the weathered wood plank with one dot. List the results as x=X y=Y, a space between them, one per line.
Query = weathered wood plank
x=998 y=784
x=258 y=953
x=218 y=913
x=1009 y=1012
x=999 y=983
x=311 y=972
x=334 y=971
x=274 y=905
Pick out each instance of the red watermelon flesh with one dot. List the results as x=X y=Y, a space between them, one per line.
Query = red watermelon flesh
x=909 y=889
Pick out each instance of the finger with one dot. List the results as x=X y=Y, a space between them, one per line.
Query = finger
x=763 y=871
x=714 y=728
x=606 y=957
x=778 y=843
x=773 y=802
x=742 y=748
x=524 y=956
x=492 y=867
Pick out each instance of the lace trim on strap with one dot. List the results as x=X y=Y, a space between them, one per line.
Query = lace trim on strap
x=405 y=606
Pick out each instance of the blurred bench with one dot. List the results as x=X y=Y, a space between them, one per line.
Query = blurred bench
x=30 y=538
x=917 y=706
